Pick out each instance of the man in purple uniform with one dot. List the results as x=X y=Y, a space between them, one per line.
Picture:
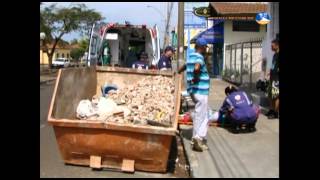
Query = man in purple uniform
x=239 y=109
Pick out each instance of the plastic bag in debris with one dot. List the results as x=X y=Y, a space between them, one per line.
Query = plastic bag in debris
x=106 y=106
x=85 y=109
x=101 y=107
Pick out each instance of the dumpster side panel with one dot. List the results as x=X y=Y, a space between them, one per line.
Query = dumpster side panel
x=149 y=151
x=74 y=85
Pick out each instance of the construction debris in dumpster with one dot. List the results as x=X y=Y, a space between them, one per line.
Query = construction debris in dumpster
x=149 y=101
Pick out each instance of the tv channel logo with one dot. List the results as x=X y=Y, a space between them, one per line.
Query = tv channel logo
x=263 y=18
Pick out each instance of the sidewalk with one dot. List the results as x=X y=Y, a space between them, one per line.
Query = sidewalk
x=234 y=155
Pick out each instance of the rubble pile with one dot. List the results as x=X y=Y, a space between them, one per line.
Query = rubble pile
x=149 y=101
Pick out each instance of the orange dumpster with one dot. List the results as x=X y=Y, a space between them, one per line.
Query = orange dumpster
x=99 y=144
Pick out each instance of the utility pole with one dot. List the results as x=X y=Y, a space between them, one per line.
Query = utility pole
x=166 y=35
x=180 y=33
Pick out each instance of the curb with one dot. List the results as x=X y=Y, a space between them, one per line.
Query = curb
x=47 y=81
x=48 y=73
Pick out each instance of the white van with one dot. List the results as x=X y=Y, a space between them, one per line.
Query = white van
x=125 y=42
x=61 y=62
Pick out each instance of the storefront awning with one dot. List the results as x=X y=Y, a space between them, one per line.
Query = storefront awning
x=212 y=35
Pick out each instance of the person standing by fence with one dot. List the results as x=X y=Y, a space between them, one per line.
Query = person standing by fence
x=273 y=89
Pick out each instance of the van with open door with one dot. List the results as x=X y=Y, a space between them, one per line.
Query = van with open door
x=121 y=44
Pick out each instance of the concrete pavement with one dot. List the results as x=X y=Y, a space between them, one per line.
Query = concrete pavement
x=235 y=155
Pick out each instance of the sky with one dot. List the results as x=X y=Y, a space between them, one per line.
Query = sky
x=135 y=12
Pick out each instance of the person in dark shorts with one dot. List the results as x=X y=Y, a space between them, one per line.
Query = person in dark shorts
x=273 y=88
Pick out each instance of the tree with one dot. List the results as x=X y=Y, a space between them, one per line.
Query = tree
x=56 y=22
x=74 y=41
x=62 y=43
x=77 y=53
x=83 y=45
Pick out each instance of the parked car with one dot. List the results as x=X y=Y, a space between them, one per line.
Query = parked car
x=73 y=63
x=60 y=62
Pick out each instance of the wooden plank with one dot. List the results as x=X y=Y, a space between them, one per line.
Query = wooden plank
x=95 y=162
x=127 y=165
x=54 y=95
x=210 y=124
x=177 y=99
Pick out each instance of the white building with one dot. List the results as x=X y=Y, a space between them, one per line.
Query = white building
x=239 y=23
x=232 y=36
x=272 y=32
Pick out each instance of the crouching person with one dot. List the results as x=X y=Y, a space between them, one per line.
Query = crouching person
x=238 y=109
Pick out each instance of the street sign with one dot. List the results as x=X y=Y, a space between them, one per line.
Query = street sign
x=202 y=11
x=193 y=21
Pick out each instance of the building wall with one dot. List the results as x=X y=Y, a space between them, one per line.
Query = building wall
x=193 y=33
x=44 y=59
x=272 y=30
x=231 y=37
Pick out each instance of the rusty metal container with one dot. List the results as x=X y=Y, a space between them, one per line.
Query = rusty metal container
x=110 y=145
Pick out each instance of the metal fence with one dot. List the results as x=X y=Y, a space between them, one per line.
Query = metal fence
x=243 y=63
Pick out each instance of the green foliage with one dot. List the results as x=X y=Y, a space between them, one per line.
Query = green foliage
x=77 y=53
x=74 y=41
x=57 y=21
x=65 y=20
x=83 y=45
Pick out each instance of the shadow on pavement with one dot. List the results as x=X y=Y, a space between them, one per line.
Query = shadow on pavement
x=187 y=133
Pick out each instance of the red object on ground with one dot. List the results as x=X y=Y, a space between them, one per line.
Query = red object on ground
x=258 y=110
x=153 y=67
x=186 y=117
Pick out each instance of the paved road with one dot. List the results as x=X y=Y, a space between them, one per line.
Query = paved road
x=51 y=164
